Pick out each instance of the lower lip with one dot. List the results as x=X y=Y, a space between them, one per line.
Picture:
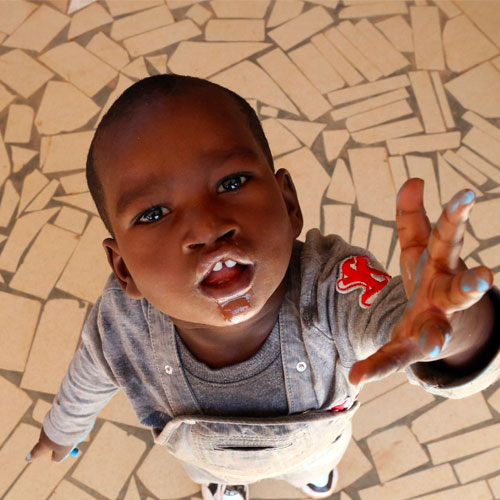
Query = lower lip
x=231 y=288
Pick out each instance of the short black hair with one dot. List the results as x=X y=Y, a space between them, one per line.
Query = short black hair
x=145 y=91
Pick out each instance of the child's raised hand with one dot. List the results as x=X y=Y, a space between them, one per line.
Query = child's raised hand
x=45 y=445
x=437 y=283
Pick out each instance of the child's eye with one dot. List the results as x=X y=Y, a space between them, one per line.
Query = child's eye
x=153 y=214
x=232 y=183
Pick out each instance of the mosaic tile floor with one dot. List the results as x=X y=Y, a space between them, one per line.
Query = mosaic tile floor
x=354 y=96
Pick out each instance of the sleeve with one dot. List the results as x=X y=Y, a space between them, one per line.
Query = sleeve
x=86 y=388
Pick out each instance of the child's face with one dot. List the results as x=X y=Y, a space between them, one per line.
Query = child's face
x=195 y=160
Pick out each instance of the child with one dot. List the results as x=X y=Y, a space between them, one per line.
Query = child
x=238 y=344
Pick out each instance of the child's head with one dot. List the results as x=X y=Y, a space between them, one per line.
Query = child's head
x=181 y=173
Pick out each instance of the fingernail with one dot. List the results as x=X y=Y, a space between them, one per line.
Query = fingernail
x=482 y=285
x=423 y=339
x=447 y=337
x=461 y=199
x=28 y=457
x=434 y=352
x=472 y=282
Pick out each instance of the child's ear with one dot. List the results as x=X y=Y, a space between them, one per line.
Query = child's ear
x=291 y=200
x=120 y=269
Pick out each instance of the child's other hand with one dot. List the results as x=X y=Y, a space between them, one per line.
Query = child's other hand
x=45 y=445
x=437 y=283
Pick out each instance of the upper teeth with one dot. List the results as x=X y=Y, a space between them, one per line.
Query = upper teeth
x=228 y=263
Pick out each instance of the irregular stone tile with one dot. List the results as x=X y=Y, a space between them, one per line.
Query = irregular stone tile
x=118 y=9
x=63 y=108
x=478 y=90
x=443 y=101
x=122 y=84
x=471 y=262
x=423 y=143
x=38 y=30
x=250 y=81
x=494 y=484
x=341 y=187
x=159 y=63
x=33 y=183
x=483 y=225
x=353 y=465
x=87 y=271
x=333 y=142
x=120 y=410
x=132 y=491
x=469 y=244
x=109 y=460
x=398 y=171
x=80 y=200
x=465 y=168
x=40 y=410
x=19 y=316
x=427 y=102
x=44 y=196
x=380 y=242
x=388 y=131
x=66 y=490
x=108 y=50
x=496 y=62
x=146 y=20
x=464 y=45
x=88 y=19
x=310 y=179
x=13 y=14
x=55 y=148
x=312 y=63
x=294 y=83
x=21 y=157
x=490 y=256
x=151 y=474
x=23 y=232
x=76 y=5
x=338 y=220
x=301 y=27
x=478 y=466
x=279 y=138
x=412 y=485
x=161 y=38
x=394 y=268
x=477 y=491
x=372 y=179
x=5 y=96
x=494 y=400
x=379 y=115
x=450 y=181
x=136 y=69
x=199 y=14
x=74 y=183
x=274 y=489
x=269 y=111
x=485 y=15
x=5 y=166
x=306 y=132
x=481 y=124
x=375 y=389
x=484 y=144
x=56 y=339
x=359 y=236
x=335 y=58
x=244 y=8
x=11 y=413
x=398 y=32
x=326 y=3
x=22 y=73
x=284 y=11
x=235 y=30
x=61 y=5
x=10 y=199
x=449 y=8
x=372 y=9
x=19 y=123
x=71 y=219
x=427 y=37
x=12 y=456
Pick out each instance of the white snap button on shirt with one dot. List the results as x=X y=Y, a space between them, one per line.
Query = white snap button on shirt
x=301 y=366
x=168 y=370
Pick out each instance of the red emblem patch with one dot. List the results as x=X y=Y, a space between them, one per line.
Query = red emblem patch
x=357 y=273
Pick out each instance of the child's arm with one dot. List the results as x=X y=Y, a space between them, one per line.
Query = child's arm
x=448 y=316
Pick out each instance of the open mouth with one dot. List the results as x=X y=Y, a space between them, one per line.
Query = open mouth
x=227 y=281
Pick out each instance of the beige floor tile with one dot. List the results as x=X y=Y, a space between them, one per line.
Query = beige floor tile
x=482 y=124
x=74 y=183
x=398 y=171
x=22 y=73
x=275 y=489
x=254 y=9
x=326 y=3
x=161 y=38
x=108 y=50
x=378 y=115
x=33 y=183
x=301 y=27
x=411 y=485
x=478 y=90
x=63 y=109
x=13 y=14
x=465 y=168
x=120 y=8
x=5 y=96
x=120 y=410
x=87 y=270
x=333 y=142
x=159 y=63
x=388 y=131
x=38 y=30
x=476 y=491
x=388 y=408
x=470 y=262
x=494 y=484
x=320 y=73
x=424 y=143
x=483 y=225
x=450 y=416
x=380 y=242
x=294 y=83
x=8 y=204
x=484 y=144
x=341 y=187
x=53 y=152
x=19 y=123
x=40 y=410
x=372 y=179
x=485 y=15
x=442 y=99
x=235 y=30
x=398 y=32
x=5 y=164
x=151 y=472
x=61 y=5
x=306 y=132
x=136 y=69
x=45 y=195
x=71 y=219
x=21 y=157
x=335 y=58
x=478 y=466
x=76 y=5
x=132 y=491
x=199 y=14
x=427 y=38
x=494 y=400
x=338 y=220
x=394 y=268
x=427 y=102
x=310 y=179
x=449 y=8
x=12 y=454
x=465 y=45
x=374 y=389
x=55 y=342
x=279 y=138
x=469 y=244
x=79 y=200
x=342 y=96
x=211 y=57
x=450 y=181
x=491 y=256
x=284 y=11
x=496 y=62
x=353 y=465
x=88 y=19
x=372 y=9
x=66 y=490
x=109 y=460
x=141 y=22
x=269 y=111
x=122 y=84
x=250 y=81
x=360 y=231
x=23 y=232
x=11 y=413
x=19 y=315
